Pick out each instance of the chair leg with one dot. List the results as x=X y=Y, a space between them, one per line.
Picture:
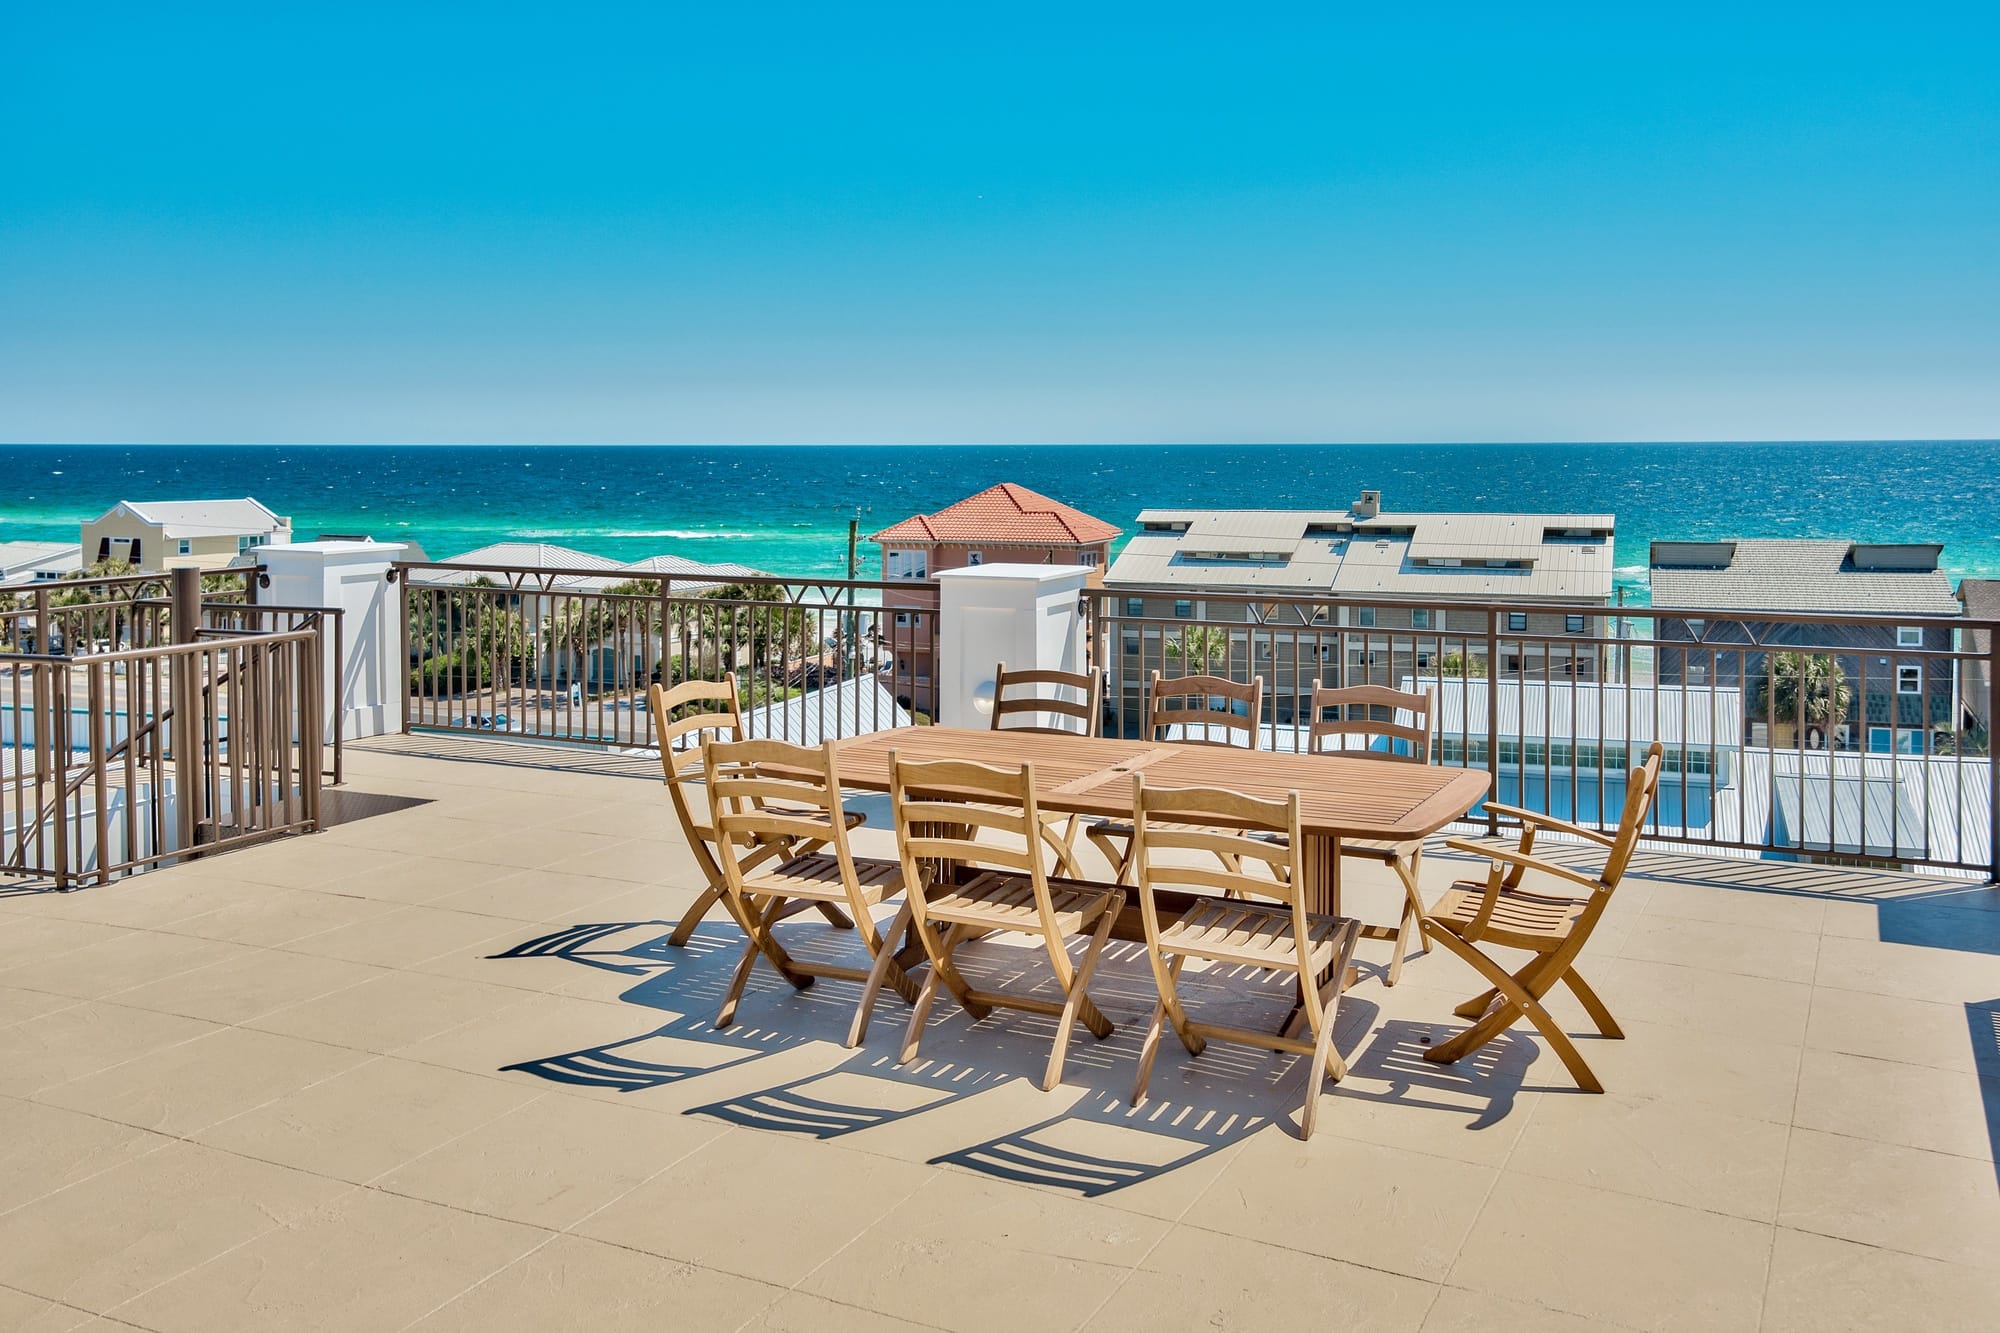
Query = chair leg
x=1408 y=928
x=939 y=944
x=1519 y=1003
x=1324 y=1061
x=1149 y=1048
x=834 y=915
x=1121 y=859
x=1077 y=1002
x=691 y=918
x=1594 y=1006
x=726 y=1016
x=885 y=960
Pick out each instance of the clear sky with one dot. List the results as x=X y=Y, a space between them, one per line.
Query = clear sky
x=1010 y=223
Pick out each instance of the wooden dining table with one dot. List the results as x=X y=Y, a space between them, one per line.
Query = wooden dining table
x=1339 y=797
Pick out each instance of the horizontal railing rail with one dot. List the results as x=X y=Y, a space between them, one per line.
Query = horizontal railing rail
x=1860 y=737
x=569 y=654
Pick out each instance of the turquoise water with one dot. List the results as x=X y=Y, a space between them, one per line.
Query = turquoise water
x=785 y=508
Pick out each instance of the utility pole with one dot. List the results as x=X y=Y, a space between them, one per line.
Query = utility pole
x=851 y=629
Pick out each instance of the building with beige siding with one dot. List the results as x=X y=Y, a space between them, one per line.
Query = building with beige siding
x=176 y=534
x=1368 y=595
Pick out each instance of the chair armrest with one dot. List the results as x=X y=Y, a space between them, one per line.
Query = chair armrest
x=1521 y=861
x=1536 y=817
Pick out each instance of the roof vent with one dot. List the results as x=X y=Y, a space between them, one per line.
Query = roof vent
x=1369 y=505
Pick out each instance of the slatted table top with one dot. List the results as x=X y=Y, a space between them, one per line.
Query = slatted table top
x=1352 y=798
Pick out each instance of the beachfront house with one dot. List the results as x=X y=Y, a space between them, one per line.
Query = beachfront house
x=156 y=535
x=1004 y=524
x=1980 y=599
x=1400 y=590
x=29 y=562
x=1903 y=699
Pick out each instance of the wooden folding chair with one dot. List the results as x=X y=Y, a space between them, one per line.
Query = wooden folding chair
x=763 y=792
x=1203 y=710
x=960 y=888
x=1238 y=930
x=1053 y=703
x=1553 y=925
x=1371 y=713
x=711 y=709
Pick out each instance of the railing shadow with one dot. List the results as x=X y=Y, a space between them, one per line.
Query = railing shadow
x=1982 y=1020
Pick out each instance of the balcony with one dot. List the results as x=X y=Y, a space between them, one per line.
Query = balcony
x=437 y=1065
x=436 y=1068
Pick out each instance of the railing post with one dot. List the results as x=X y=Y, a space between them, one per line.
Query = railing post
x=1493 y=720
x=186 y=735
x=1992 y=760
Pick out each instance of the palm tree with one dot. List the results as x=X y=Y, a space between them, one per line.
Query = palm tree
x=1204 y=646
x=1803 y=687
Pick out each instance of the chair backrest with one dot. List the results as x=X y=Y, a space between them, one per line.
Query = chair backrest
x=943 y=810
x=1217 y=830
x=712 y=708
x=1205 y=710
x=745 y=778
x=1372 y=712
x=1020 y=696
x=1640 y=789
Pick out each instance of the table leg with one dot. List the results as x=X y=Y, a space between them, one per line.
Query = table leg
x=1321 y=857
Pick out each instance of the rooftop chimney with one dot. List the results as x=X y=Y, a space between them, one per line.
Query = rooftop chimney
x=1369 y=505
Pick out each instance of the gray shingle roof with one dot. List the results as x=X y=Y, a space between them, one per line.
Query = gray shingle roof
x=1784 y=574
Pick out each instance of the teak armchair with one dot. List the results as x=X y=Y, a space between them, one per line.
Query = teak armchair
x=959 y=888
x=1204 y=709
x=714 y=712
x=1371 y=713
x=763 y=792
x=1553 y=924
x=1238 y=930
x=1021 y=700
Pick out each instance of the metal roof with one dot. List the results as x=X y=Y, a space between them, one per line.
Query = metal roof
x=1396 y=555
x=1639 y=714
x=1786 y=574
x=202 y=518
x=1902 y=806
x=851 y=708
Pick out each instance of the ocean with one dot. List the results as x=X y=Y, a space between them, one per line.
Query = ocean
x=785 y=508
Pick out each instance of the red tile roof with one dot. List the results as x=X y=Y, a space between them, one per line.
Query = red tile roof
x=1003 y=514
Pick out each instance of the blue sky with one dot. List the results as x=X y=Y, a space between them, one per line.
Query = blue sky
x=737 y=223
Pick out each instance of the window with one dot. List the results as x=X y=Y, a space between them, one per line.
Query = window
x=902 y=617
x=1135 y=606
x=1880 y=739
x=1088 y=558
x=1909 y=680
x=1420 y=620
x=1573 y=624
x=1184 y=610
x=186 y=547
x=973 y=558
x=1131 y=643
x=245 y=543
x=1364 y=616
x=908 y=564
x=1517 y=620
x=1423 y=661
x=1909 y=636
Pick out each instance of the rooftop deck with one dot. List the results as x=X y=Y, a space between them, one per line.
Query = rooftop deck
x=434 y=1068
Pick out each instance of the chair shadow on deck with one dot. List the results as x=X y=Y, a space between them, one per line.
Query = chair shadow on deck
x=1092 y=1144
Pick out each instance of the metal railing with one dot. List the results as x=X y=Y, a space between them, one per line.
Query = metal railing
x=568 y=654
x=116 y=762
x=63 y=617
x=1850 y=737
